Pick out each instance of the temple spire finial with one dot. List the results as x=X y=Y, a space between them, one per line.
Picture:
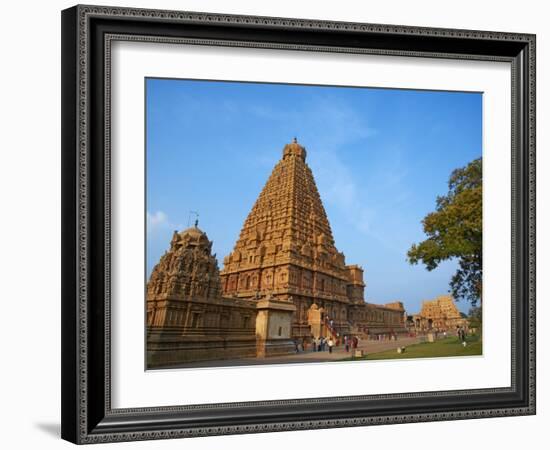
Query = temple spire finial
x=294 y=149
x=196 y=214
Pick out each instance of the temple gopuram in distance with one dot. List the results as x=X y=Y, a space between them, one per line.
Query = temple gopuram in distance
x=284 y=281
x=440 y=314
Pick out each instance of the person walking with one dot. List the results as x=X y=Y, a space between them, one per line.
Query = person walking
x=346 y=343
x=330 y=344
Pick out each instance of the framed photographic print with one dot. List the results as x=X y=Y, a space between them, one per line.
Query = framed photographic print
x=283 y=224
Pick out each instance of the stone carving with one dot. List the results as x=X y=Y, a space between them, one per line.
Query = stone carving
x=188 y=320
x=301 y=262
x=284 y=281
x=440 y=314
x=186 y=270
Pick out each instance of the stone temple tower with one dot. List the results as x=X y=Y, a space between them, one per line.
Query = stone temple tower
x=286 y=249
x=186 y=271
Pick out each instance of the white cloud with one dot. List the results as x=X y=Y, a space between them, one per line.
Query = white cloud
x=156 y=219
x=360 y=204
x=159 y=221
x=327 y=119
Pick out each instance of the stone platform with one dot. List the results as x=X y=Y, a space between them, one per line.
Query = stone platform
x=339 y=353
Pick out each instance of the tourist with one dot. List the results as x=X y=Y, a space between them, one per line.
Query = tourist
x=346 y=343
x=355 y=342
x=330 y=344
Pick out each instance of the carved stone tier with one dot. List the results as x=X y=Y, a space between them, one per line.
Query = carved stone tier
x=286 y=247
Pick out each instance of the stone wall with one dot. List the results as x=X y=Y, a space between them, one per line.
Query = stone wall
x=371 y=319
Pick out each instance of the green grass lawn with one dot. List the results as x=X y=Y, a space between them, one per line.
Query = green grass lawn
x=450 y=346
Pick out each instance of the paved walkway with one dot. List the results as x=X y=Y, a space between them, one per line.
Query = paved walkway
x=338 y=353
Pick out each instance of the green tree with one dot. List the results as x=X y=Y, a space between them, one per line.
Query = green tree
x=475 y=315
x=454 y=230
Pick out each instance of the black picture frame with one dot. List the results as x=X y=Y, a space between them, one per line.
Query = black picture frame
x=87 y=415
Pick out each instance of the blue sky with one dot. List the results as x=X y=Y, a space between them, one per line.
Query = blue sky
x=379 y=157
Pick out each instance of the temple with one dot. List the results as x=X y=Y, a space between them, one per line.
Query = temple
x=284 y=280
x=440 y=314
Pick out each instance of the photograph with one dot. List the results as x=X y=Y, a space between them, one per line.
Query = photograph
x=294 y=223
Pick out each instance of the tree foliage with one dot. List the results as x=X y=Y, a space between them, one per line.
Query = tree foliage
x=454 y=230
x=475 y=314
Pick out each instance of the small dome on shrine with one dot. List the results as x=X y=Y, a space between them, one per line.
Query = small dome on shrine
x=294 y=149
x=194 y=235
x=193 y=232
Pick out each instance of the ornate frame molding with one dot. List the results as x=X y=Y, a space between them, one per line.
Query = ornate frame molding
x=88 y=32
